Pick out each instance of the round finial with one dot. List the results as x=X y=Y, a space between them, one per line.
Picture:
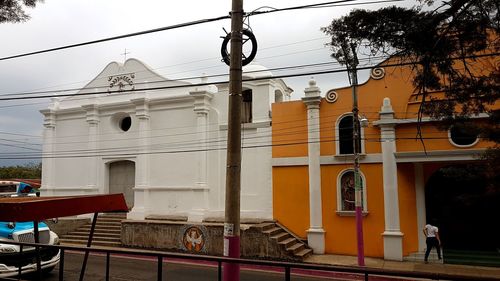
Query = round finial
x=387 y=102
x=312 y=82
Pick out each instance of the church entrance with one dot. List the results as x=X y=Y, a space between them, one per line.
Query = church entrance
x=122 y=180
x=465 y=208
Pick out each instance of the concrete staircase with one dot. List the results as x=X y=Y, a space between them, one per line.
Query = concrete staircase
x=290 y=246
x=107 y=232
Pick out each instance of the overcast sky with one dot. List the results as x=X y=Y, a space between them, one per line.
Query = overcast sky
x=284 y=38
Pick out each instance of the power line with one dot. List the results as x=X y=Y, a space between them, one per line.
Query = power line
x=190 y=23
x=225 y=82
x=194 y=150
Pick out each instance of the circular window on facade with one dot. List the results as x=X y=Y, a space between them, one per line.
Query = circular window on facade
x=462 y=136
x=125 y=123
x=121 y=121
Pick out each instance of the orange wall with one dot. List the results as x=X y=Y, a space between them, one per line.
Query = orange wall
x=289 y=129
x=291 y=198
x=340 y=234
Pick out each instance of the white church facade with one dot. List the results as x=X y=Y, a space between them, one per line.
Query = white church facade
x=160 y=142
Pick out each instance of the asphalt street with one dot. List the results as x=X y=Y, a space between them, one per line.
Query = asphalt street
x=130 y=268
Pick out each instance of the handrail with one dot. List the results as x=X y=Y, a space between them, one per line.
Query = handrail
x=160 y=255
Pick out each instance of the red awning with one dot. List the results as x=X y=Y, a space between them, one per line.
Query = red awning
x=40 y=208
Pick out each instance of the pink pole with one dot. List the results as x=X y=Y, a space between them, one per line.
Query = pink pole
x=232 y=250
x=359 y=235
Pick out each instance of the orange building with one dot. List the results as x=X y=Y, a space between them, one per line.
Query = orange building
x=401 y=174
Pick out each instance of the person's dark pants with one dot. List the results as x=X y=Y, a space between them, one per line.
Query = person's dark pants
x=432 y=242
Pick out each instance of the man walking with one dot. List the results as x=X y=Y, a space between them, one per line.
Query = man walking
x=432 y=240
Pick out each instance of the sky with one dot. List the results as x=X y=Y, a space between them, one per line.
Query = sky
x=284 y=39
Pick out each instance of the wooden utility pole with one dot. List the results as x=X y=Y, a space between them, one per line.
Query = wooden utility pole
x=356 y=139
x=233 y=168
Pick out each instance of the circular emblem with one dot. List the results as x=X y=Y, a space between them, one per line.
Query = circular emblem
x=193 y=239
x=331 y=96
x=377 y=73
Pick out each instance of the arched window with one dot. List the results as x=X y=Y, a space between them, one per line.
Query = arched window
x=346 y=193
x=246 y=106
x=344 y=134
x=278 y=96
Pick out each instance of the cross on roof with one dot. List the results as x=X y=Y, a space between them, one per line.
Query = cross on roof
x=124 y=54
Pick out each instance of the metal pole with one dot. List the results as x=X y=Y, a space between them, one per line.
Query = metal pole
x=357 y=149
x=233 y=169
x=37 y=249
x=61 y=265
x=89 y=243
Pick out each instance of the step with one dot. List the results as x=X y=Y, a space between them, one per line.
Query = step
x=265 y=225
x=281 y=236
x=109 y=220
x=295 y=248
x=86 y=233
x=94 y=243
x=273 y=231
x=288 y=242
x=95 y=238
x=110 y=227
x=304 y=253
x=113 y=215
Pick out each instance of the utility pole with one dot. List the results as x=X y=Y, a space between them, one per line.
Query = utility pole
x=233 y=168
x=353 y=72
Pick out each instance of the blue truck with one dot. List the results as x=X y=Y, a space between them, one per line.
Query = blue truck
x=12 y=259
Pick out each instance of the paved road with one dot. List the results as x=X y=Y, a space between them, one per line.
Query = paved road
x=138 y=269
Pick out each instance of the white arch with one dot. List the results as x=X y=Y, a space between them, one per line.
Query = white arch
x=339 y=191
x=337 y=139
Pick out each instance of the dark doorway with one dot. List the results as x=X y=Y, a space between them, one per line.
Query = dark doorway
x=466 y=208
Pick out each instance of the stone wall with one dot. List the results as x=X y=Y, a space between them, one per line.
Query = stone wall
x=196 y=238
x=67 y=224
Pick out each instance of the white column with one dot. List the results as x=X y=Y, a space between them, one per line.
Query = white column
x=393 y=238
x=420 y=202
x=202 y=101
x=141 y=190
x=315 y=233
x=93 y=166
x=48 y=161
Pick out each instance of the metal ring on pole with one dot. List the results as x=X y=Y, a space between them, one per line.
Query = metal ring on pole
x=246 y=60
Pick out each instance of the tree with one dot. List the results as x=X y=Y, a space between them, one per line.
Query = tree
x=13 y=10
x=449 y=45
x=28 y=171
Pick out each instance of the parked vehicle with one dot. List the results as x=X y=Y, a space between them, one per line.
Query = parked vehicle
x=11 y=256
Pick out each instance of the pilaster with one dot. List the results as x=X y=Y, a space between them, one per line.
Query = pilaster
x=92 y=118
x=49 y=139
x=202 y=104
x=142 y=174
x=315 y=233
x=393 y=238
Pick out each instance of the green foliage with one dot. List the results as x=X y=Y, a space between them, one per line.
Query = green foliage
x=13 y=10
x=28 y=171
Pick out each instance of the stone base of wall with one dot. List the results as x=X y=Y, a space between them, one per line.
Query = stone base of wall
x=67 y=224
x=199 y=238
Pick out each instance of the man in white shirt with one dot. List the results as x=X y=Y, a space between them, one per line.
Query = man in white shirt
x=432 y=240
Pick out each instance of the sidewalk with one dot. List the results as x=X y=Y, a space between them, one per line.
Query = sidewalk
x=449 y=269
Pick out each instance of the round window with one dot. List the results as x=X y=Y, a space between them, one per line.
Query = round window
x=462 y=136
x=125 y=123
